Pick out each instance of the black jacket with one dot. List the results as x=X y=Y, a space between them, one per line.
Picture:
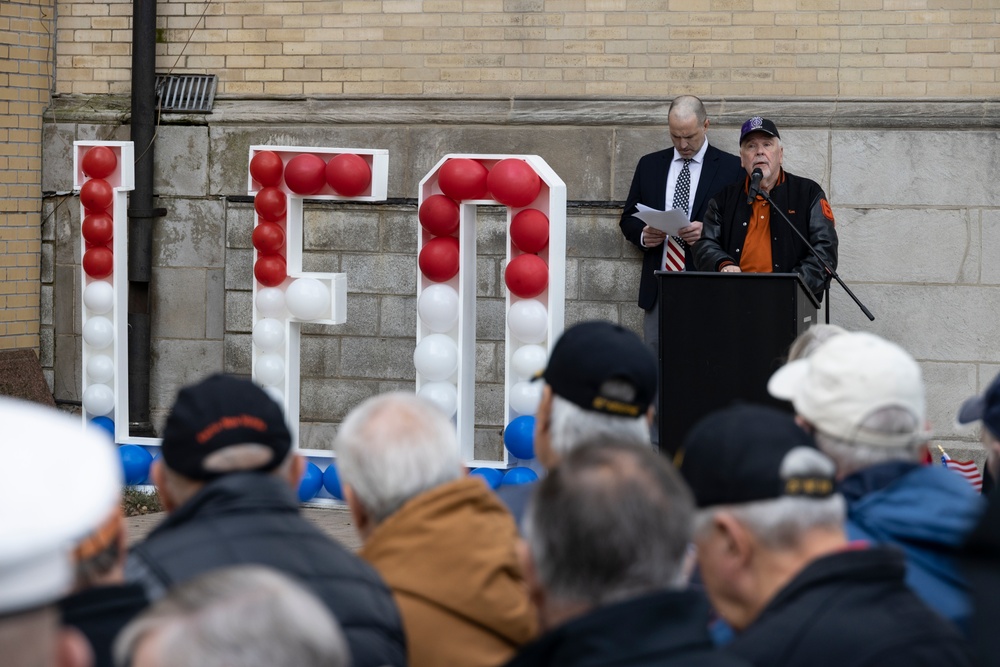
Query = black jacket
x=100 y=613
x=851 y=609
x=805 y=204
x=649 y=187
x=253 y=518
x=667 y=628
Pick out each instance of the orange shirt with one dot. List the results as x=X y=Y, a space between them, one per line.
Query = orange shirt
x=756 y=255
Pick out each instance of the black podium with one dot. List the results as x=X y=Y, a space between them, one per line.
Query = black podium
x=722 y=335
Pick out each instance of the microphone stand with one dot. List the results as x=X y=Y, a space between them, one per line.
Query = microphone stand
x=831 y=273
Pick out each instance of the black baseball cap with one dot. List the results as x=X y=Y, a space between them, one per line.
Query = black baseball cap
x=758 y=124
x=735 y=455
x=603 y=367
x=985 y=408
x=219 y=412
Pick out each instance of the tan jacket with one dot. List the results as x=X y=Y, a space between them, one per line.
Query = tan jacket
x=448 y=556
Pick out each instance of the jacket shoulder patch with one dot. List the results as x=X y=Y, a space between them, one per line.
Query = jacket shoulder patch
x=827 y=211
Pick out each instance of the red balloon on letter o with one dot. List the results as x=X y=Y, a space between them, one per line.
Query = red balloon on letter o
x=98 y=228
x=462 y=178
x=266 y=168
x=438 y=259
x=513 y=182
x=96 y=194
x=98 y=262
x=526 y=276
x=439 y=215
x=270 y=204
x=99 y=162
x=270 y=270
x=348 y=174
x=529 y=230
x=304 y=174
x=268 y=238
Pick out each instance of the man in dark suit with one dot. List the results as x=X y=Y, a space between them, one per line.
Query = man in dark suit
x=660 y=182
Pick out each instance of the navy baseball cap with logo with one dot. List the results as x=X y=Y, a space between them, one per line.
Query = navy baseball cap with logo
x=985 y=408
x=758 y=124
x=603 y=367
x=218 y=414
x=737 y=455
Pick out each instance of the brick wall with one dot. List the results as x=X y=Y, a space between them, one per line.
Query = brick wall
x=25 y=81
x=661 y=48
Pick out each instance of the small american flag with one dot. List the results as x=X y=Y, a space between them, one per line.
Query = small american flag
x=967 y=469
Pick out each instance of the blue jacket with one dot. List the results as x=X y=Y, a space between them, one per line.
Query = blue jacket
x=925 y=511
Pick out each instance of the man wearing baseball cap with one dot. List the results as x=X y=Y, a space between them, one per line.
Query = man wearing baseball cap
x=986 y=409
x=227 y=477
x=600 y=382
x=776 y=562
x=740 y=234
x=863 y=399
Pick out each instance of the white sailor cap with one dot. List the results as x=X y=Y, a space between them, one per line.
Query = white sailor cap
x=58 y=482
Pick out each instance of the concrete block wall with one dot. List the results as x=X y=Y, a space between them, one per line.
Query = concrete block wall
x=917 y=220
x=649 y=48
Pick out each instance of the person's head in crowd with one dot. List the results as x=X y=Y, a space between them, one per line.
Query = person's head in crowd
x=760 y=148
x=863 y=399
x=58 y=482
x=392 y=448
x=219 y=426
x=100 y=556
x=766 y=502
x=810 y=339
x=240 y=616
x=600 y=382
x=611 y=522
x=985 y=409
x=687 y=121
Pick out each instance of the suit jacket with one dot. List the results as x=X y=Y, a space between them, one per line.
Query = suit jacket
x=649 y=187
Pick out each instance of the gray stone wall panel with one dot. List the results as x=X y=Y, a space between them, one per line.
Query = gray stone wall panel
x=377 y=358
x=990 y=274
x=177 y=363
x=351 y=229
x=319 y=356
x=237 y=354
x=397 y=316
x=947 y=385
x=182 y=158
x=193 y=234
x=330 y=399
x=381 y=274
x=179 y=303
x=239 y=312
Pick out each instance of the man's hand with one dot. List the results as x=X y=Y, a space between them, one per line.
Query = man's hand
x=653 y=237
x=691 y=233
x=731 y=268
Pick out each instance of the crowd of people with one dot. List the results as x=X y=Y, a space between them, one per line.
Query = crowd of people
x=813 y=536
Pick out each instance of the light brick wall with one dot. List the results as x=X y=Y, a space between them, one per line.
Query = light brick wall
x=648 y=48
x=25 y=82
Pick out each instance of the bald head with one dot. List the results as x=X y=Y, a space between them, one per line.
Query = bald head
x=688 y=123
x=687 y=107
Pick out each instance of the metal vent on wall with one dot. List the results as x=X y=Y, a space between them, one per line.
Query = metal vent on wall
x=186 y=92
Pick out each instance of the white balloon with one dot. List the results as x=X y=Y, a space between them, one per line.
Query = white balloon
x=436 y=357
x=442 y=394
x=527 y=360
x=438 y=307
x=307 y=299
x=269 y=334
x=98 y=400
x=525 y=396
x=100 y=368
x=528 y=321
x=270 y=369
x=98 y=332
x=270 y=302
x=99 y=297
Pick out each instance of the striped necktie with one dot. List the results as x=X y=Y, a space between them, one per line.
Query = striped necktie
x=673 y=258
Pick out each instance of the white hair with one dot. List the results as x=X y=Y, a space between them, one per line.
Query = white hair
x=572 y=426
x=851 y=456
x=394 y=447
x=783 y=522
x=809 y=340
x=245 y=615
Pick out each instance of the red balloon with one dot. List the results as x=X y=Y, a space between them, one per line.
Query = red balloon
x=304 y=174
x=266 y=168
x=268 y=238
x=513 y=182
x=96 y=194
x=438 y=258
x=99 y=162
x=526 y=276
x=461 y=178
x=270 y=204
x=98 y=228
x=270 y=270
x=439 y=215
x=98 y=262
x=529 y=230
x=348 y=174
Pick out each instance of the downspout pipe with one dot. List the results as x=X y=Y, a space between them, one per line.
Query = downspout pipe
x=141 y=215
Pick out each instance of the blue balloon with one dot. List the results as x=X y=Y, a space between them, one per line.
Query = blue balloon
x=519 y=437
x=106 y=424
x=492 y=476
x=519 y=475
x=135 y=464
x=331 y=481
x=312 y=481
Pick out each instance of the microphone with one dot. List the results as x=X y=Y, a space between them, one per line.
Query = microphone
x=754 y=185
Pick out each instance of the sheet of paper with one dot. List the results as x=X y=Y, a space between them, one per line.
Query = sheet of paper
x=666 y=221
